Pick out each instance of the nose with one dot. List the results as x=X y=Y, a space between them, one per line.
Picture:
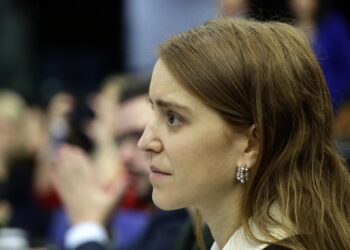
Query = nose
x=149 y=140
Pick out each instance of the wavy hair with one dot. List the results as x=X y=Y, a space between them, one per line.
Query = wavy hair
x=264 y=73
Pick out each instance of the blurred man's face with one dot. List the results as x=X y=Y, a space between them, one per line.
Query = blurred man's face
x=303 y=9
x=233 y=7
x=134 y=115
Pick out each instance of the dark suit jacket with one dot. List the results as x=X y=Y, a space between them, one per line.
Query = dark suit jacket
x=161 y=233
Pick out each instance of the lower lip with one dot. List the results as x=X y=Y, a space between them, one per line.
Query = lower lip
x=154 y=176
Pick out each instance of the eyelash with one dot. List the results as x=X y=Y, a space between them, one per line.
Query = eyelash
x=170 y=114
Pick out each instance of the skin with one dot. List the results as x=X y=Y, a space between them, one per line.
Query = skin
x=233 y=7
x=304 y=11
x=83 y=196
x=75 y=179
x=134 y=115
x=194 y=154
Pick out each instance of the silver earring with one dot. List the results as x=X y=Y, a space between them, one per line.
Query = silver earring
x=242 y=174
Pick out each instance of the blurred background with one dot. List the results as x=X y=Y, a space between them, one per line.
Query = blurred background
x=46 y=46
x=61 y=65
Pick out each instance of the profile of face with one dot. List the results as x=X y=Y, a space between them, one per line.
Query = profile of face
x=194 y=152
x=133 y=117
x=303 y=8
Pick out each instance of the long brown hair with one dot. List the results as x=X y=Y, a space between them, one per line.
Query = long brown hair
x=264 y=73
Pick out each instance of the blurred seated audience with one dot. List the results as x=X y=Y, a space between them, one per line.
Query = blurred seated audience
x=19 y=142
x=234 y=8
x=101 y=130
x=342 y=129
x=330 y=38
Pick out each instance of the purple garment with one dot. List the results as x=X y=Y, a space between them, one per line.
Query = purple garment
x=127 y=227
x=59 y=224
x=332 y=48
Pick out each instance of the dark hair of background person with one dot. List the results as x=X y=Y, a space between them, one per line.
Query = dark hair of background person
x=137 y=85
x=82 y=114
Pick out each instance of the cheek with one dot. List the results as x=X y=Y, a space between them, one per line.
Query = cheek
x=199 y=148
x=205 y=160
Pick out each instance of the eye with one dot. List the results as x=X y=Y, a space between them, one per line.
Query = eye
x=173 y=118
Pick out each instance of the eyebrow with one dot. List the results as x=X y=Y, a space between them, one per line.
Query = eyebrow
x=166 y=104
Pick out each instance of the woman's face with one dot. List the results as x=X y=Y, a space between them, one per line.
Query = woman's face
x=193 y=151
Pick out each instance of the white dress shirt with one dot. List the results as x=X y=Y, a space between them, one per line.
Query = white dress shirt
x=240 y=241
x=83 y=233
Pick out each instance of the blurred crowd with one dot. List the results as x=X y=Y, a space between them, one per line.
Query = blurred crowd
x=29 y=138
x=31 y=135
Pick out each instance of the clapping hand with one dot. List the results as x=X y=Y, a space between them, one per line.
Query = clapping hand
x=83 y=196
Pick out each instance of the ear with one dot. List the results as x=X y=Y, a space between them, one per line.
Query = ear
x=251 y=150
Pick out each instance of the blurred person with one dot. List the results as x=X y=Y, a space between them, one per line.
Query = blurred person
x=342 y=122
x=74 y=177
x=41 y=134
x=330 y=38
x=87 y=124
x=60 y=110
x=18 y=157
x=66 y=119
x=234 y=8
x=64 y=122
x=56 y=130
x=90 y=118
x=33 y=132
x=102 y=129
x=241 y=131
x=342 y=129
x=12 y=107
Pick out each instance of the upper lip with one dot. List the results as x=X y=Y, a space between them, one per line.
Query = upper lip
x=157 y=170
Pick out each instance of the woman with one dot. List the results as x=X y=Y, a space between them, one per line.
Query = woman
x=241 y=130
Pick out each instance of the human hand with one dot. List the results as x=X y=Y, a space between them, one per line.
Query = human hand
x=84 y=197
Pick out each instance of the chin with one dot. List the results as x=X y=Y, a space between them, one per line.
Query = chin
x=165 y=202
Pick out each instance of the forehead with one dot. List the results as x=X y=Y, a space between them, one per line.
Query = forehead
x=166 y=87
x=134 y=114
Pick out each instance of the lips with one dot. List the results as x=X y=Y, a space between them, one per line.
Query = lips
x=158 y=171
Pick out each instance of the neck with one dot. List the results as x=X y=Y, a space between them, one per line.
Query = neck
x=224 y=215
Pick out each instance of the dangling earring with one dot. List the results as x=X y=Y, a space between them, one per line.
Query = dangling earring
x=242 y=174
